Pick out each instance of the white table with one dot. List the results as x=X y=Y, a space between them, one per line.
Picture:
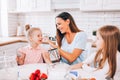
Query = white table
x=54 y=72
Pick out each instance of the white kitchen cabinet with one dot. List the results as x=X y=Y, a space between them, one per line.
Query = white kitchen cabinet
x=11 y=5
x=11 y=49
x=90 y=5
x=99 y=5
x=43 y=5
x=65 y=4
x=25 y=5
x=111 y=4
x=33 y=5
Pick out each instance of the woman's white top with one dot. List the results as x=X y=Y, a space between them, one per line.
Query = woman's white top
x=101 y=73
x=79 y=42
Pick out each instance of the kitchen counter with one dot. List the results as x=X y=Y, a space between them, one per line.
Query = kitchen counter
x=10 y=40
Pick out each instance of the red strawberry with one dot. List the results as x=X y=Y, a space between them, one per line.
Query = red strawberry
x=37 y=71
x=38 y=75
x=32 y=76
x=44 y=76
x=37 y=78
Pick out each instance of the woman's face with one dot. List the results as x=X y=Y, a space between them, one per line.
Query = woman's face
x=99 y=41
x=37 y=37
x=62 y=25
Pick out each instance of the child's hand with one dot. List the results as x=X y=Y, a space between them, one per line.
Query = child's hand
x=76 y=66
x=20 y=59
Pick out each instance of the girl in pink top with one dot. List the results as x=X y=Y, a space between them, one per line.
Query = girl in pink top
x=33 y=53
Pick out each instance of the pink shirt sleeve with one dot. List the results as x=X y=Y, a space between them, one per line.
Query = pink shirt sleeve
x=44 y=50
x=22 y=50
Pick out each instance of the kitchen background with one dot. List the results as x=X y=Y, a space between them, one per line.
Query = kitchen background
x=89 y=15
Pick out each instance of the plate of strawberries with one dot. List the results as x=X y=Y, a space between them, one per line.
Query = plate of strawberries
x=38 y=75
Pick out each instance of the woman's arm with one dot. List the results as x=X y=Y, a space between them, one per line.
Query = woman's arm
x=87 y=61
x=52 y=44
x=70 y=57
x=79 y=46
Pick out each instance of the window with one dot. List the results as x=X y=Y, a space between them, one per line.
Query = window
x=3 y=18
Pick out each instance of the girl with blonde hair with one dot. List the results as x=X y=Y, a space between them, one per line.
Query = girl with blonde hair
x=33 y=53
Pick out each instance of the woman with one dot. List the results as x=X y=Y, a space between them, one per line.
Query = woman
x=71 y=41
x=107 y=59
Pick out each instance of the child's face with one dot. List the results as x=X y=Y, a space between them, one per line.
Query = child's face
x=37 y=37
x=99 y=41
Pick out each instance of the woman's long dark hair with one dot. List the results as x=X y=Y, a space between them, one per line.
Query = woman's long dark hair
x=72 y=25
x=110 y=35
x=119 y=44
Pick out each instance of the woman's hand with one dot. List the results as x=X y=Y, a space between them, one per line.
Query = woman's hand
x=51 y=43
x=45 y=39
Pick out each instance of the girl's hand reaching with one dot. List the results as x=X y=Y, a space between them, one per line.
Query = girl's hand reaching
x=76 y=66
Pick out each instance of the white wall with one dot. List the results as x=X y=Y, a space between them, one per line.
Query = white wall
x=0 y=17
x=12 y=24
x=43 y=20
x=88 y=21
